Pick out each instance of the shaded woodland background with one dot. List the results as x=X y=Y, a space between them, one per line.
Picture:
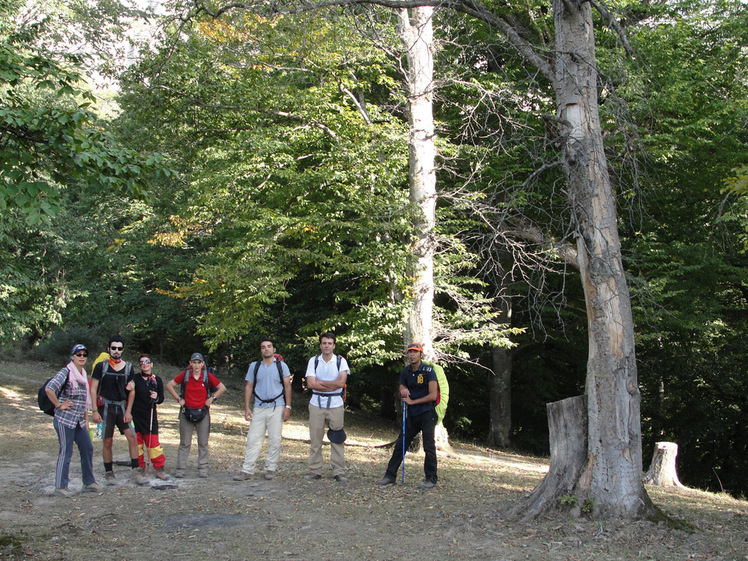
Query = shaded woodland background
x=244 y=177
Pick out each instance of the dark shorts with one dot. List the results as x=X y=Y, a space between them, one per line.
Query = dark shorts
x=115 y=417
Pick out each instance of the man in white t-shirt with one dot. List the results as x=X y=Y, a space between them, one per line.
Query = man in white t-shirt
x=326 y=376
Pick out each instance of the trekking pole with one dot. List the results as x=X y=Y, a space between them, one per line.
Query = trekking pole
x=403 y=474
x=147 y=445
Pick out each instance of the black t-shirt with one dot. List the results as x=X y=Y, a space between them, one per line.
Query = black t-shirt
x=144 y=413
x=112 y=385
x=417 y=383
x=143 y=387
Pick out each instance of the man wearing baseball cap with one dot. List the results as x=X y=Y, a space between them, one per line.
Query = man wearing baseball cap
x=418 y=390
x=199 y=390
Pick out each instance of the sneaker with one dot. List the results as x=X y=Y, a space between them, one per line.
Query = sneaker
x=427 y=484
x=63 y=492
x=269 y=475
x=386 y=481
x=110 y=478
x=179 y=474
x=312 y=476
x=162 y=475
x=138 y=478
x=243 y=476
x=340 y=478
x=93 y=488
x=202 y=474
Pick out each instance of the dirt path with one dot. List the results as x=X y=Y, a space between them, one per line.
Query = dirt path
x=292 y=519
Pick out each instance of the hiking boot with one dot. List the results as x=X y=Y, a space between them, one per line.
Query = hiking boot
x=312 y=476
x=269 y=475
x=340 y=478
x=162 y=475
x=427 y=484
x=386 y=481
x=243 y=476
x=138 y=478
x=110 y=478
x=179 y=474
x=64 y=492
x=93 y=488
x=202 y=474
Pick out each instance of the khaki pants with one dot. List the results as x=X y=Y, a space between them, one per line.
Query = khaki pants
x=264 y=419
x=186 y=429
x=319 y=418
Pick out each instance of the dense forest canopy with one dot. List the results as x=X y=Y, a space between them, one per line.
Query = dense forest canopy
x=254 y=181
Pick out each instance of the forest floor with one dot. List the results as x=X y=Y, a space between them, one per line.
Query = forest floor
x=290 y=519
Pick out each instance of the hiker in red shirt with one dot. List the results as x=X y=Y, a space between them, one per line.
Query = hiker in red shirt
x=199 y=390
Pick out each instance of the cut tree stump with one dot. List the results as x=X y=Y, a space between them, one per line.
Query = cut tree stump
x=567 y=426
x=662 y=469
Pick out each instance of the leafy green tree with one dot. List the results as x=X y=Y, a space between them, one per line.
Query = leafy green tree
x=294 y=156
x=52 y=149
x=686 y=250
x=49 y=138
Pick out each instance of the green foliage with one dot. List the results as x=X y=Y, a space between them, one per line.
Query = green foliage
x=296 y=201
x=568 y=500
x=49 y=138
x=686 y=253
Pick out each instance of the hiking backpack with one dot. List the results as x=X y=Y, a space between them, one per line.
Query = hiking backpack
x=45 y=404
x=342 y=393
x=280 y=375
x=442 y=395
x=126 y=371
x=206 y=380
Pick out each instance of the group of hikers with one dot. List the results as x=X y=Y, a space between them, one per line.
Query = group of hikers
x=118 y=397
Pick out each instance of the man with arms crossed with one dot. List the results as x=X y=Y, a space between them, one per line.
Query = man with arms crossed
x=326 y=376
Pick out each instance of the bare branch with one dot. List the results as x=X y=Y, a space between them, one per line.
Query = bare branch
x=614 y=24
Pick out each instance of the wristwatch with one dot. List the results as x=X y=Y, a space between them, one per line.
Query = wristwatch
x=288 y=407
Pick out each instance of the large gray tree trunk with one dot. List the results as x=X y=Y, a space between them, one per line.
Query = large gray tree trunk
x=416 y=32
x=612 y=477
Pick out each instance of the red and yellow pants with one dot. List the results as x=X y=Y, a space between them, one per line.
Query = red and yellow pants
x=150 y=443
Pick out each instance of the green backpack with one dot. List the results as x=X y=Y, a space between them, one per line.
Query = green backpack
x=442 y=396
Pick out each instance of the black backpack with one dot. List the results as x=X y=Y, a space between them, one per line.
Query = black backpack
x=342 y=393
x=45 y=404
x=280 y=375
x=188 y=374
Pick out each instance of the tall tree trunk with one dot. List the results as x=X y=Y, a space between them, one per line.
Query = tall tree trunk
x=416 y=33
x=612 y=478
x=500 y=388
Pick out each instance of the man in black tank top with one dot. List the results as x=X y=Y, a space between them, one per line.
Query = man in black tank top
x=109 y=382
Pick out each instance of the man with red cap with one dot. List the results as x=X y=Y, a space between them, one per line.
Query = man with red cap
x=418 y=390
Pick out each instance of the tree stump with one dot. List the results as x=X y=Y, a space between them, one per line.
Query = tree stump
x=567 y=426
x=662 y=469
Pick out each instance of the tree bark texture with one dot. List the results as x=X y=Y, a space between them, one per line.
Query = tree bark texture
x=612 y=478
x=567 y=427
x=500 y=397
x=662 y=470
x=416 y=32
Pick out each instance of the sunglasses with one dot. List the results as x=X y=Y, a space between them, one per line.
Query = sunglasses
x=81 y=354
x=116 y=348
x=145 y=361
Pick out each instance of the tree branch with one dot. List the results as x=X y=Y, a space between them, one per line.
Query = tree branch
x=468 y=7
